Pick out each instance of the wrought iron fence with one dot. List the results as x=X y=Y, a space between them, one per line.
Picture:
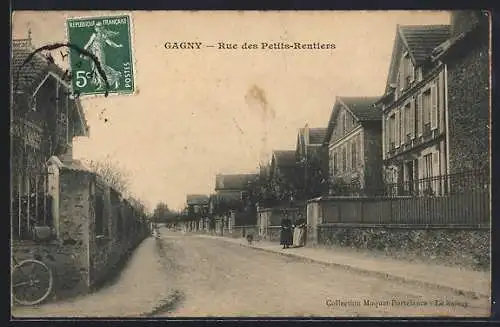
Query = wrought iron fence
x=456 y=199
x=457 y=183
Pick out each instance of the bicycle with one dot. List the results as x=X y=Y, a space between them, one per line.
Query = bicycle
x=32 y=281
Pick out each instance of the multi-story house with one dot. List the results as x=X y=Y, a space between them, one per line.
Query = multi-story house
x=436 y=94
x=197 y=204
x=231 y=204
x=198 y=210
x=313 y=160
x=44 y=119
x=233 y=187
x=354 y=146
x=283 y=177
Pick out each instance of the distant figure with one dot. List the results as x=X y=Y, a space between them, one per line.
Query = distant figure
x=250 y=239
x=286 y=234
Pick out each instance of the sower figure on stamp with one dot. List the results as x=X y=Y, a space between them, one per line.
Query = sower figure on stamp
x=96 y=45
x=286 y=233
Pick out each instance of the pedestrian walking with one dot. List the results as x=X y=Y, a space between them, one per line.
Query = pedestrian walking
x=286 y=233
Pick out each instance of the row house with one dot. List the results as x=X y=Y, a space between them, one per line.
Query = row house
x=231 y=202
x=413 y=109
x=197 y=208
x=312 y=160
x=45 y=118
x=283 y=176
x=353 y=139
x=435 y=109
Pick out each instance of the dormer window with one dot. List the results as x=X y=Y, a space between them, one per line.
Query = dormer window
x=407 y=71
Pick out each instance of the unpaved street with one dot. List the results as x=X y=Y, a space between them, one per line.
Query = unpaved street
x=181 y=275
x=222 y=279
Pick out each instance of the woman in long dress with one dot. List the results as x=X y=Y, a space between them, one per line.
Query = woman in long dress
x=286 y=233
x=301 y=234
x=96 y=45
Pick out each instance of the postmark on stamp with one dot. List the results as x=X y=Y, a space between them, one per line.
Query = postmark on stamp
x=108 y=38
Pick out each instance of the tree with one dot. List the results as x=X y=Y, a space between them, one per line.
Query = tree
x=116 y=176
x=162 y=213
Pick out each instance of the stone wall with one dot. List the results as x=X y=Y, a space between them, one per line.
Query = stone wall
x=450 y=246
x=67 y=255
x=107 y=251
x=65 y=261
x=468 y=105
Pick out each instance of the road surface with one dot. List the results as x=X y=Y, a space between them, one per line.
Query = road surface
x=223 y=279
x=212 y=278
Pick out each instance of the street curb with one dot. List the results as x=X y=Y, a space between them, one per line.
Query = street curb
x=388 y=276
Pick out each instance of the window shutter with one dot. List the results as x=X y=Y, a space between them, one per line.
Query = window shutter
x=387 y=130
x=436 y=172
x=412 y=119
x=420 y=114
x=396 y=129
x=402 y=136
x=420 y=174
x=348 y=153
x=434 y=106
x=435 y=164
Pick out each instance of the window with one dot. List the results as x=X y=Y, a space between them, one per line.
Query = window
x=335 y=163
x=392 y=131
x=428 y=166
x=417 y=108
x=344 y=122
x=426 y=108
x=354 y=154
x=344 y=159
x=408 y=121
x=406 y=71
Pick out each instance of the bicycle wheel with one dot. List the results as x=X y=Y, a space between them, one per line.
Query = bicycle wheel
x=31 y=282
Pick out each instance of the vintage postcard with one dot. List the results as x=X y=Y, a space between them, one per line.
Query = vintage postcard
x=250 y=164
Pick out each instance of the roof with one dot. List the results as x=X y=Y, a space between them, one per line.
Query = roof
x=422 y=39
x=233 y=181
x=29 y=69
x=27 y=75
x=317 y=135
x=197 y=199
x=363 y=109
x=285 y=158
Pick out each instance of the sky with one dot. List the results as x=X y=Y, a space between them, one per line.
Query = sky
x=197 y=113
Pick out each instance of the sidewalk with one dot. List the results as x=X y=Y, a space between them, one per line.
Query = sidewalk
x=142 y=287
x=461 y=281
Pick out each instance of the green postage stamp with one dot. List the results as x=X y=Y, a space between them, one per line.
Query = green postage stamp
x=110 y=69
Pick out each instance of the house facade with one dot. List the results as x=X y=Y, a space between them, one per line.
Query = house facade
x=284 y=177
x=354 y=141
x=312 y=159
x=434 y=99
x=197 y=209
x=44 y=119
x=231 y=206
